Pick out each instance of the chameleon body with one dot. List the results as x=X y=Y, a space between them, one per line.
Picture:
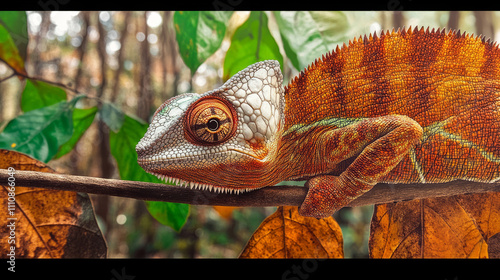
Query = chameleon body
x=407 y=106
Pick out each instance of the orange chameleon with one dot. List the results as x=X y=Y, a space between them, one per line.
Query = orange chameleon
x=411 y=106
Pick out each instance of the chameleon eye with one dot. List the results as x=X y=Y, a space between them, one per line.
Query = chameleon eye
x=210 y=121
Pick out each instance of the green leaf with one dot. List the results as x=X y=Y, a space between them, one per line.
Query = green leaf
x=82 y=119
x=252 y=42
x=9 y=52
x=169 y=214
x=38 y=94
x=112 y=116
x=16 y=23
x=199 y=34
x=122 y=144
x=39 y=133
x=306 y=35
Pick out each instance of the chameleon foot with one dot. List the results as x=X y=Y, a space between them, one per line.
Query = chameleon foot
x=326 y=195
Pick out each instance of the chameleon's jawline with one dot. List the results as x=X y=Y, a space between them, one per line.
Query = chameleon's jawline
x=202 y=186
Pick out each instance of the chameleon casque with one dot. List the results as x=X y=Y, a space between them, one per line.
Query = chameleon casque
x=407 y=106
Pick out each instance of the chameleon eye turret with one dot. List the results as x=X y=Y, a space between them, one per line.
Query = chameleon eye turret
x=210 y=121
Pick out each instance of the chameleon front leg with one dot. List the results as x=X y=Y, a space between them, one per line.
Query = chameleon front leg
x=381 y=143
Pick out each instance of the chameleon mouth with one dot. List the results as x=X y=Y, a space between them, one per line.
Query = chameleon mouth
x=201 y=186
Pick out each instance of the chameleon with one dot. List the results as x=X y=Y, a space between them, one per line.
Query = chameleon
x=404 y=106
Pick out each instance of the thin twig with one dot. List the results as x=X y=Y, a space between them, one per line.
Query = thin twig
x=8 y=77
x=16 y=73
x=268 y=196
x=72 y=90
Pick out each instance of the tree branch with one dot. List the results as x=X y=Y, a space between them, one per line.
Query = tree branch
x=268 y=196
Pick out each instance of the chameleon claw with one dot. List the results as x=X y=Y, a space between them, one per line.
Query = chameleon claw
x=323 y=198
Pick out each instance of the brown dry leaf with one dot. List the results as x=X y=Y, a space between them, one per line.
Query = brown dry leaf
x=286 y=234
x=445 y=227
x=494 y=246
x=225 y=212
x=49 y=223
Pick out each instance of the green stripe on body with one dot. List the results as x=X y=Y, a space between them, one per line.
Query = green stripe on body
x=329 y=122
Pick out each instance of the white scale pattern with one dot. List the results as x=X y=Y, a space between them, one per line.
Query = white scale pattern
x=258 y=94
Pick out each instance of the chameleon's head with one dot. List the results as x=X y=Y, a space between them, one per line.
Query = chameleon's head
x=222 y=138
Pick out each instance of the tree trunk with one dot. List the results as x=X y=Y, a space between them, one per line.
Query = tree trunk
x=145 y=96
x=398 y=19
x=453 y=20
x=82 y=48
x=40 y=43
x=106 y=165
x=484 y=24
x=123 y=38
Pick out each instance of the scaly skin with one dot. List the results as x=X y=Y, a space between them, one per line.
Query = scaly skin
x=410 y=106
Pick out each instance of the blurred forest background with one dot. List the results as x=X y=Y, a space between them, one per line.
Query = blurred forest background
x=132 y=60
